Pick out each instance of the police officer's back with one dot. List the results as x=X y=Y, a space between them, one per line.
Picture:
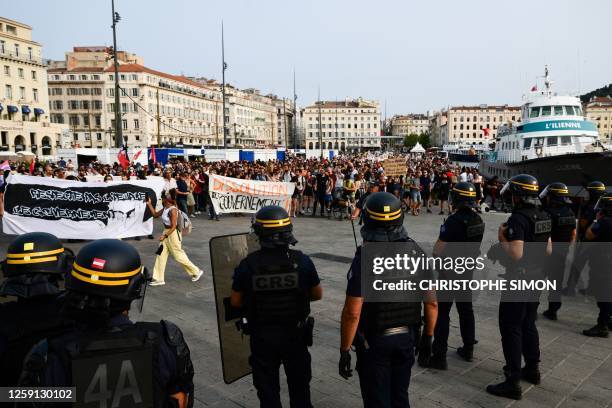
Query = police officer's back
x=524 y=238
x=109 y=359
x=385 y=334
x=460 y=236
x=34 y=265
x=274 y=287
x=556 y=202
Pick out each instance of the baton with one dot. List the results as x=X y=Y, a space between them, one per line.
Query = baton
x=354 y=235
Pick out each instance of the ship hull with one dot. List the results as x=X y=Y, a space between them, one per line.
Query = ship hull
x=575 y=170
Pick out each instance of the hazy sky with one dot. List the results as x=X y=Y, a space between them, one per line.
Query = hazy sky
x=415 y=55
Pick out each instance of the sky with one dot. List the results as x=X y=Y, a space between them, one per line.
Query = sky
x=412 y=56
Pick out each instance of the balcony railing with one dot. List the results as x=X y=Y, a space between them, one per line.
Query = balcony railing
x=21 y=57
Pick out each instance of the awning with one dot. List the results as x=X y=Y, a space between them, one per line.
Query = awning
x=25 y=109
x=38 y=111
x=12 y=109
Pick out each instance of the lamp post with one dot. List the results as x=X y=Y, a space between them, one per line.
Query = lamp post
x=118 y=129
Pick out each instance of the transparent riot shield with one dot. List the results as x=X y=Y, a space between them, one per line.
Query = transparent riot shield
x=226 y=252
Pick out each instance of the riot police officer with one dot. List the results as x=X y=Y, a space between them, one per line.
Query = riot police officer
x=600 y=232
x=524 y=238
x=109 y=359
x=35 y=263
x=556 y=202
x=466 y=226
x=385 y=334
x=274 y=286
x=587 y=216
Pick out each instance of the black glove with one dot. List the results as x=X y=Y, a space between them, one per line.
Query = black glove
x=424 y=350
x=344 y=365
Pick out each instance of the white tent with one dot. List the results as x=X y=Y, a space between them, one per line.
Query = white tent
x=417 y=148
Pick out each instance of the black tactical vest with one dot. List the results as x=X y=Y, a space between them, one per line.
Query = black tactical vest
x=563 y=223
x=376 y=317
x=119 y=366
x=276 y=298
x=534 y=249
x=23 y=324
x=473 y=226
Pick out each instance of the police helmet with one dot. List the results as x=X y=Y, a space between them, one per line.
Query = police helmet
x=604 y=204
x=108 y=269
x=383 y=210
x=463 y=195
x=524 y=187
x=273 y=225
x=34 y=263
x=36 y=252
x=596 y=189
x=556 y=192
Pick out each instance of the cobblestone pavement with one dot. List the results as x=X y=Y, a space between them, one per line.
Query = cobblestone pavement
x=577 y=371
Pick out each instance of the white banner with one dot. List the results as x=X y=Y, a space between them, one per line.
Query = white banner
x=79 y=210
x=231 y=195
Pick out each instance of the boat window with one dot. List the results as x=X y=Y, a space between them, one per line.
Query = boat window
x=569 y=110
x=535 y=112
x=558 y=110
x=539 y=141
x=526 y=144
x=578 y=110
x=566 y=140
x=551 y=141
x=546 y=110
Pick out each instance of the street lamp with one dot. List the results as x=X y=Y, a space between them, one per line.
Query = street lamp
x=118 y=133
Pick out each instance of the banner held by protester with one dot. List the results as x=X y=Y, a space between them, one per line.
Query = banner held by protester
x=231 y=195
x=79 y=210
x=395 y=167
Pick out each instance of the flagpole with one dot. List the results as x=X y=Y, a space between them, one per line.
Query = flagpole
x=223 y=67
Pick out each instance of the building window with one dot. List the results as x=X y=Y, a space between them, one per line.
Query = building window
x=20 y=72
x=75 y=136
x=124 y=124
x=21 y=92
x=96 y=77
x=16 y=50
x=74 y=120
x=134 y=91
x=83 y=77
x=34 y=75
x=35 y=94
x=98 y=121
x=136 y=124
x=2 y=43
x=57 y=105
x=7 y=70
x=8 y=92
x=134 y=77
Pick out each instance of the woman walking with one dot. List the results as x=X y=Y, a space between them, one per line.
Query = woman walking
x=171 y=242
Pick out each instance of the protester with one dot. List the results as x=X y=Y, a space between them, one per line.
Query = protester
x=171 y=242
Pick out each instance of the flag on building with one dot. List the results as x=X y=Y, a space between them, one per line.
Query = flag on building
x=123 y=158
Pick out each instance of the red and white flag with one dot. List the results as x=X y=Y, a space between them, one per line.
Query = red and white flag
x=534 y=88
x=122 y=157
x=152 y=155
x=486 y=131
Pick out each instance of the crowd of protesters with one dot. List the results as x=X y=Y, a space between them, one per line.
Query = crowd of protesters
x=424 y=187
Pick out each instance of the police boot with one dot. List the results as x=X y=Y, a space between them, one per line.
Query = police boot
x=466 y=352
x=438 y=361
x=506 y=389
x=599 y=330
x=550 y=314
x=531 y=374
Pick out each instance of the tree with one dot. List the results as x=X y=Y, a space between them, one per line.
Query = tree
x=411 y=140
x=424 y=140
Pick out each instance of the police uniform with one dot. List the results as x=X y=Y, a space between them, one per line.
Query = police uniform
x=587 y=216
x=600 y=267
x=35 y=263
x=563 y=225
x=464 y=225
x=517 y=320
x=388 y=332
x=276 y=283
x=110 y=360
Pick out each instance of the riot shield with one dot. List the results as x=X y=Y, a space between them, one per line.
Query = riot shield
x=226 y=252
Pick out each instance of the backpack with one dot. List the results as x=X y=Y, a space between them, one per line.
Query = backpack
x=183 y=223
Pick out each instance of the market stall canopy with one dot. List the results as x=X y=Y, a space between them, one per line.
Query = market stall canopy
x=417 y=148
